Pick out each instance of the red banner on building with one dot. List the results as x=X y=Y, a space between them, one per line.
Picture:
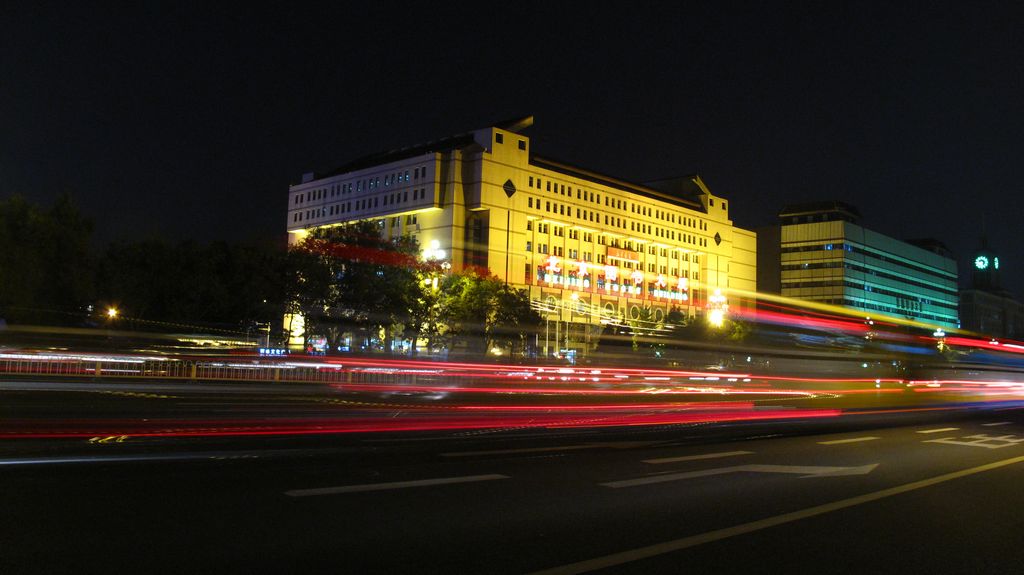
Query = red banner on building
x=623 y=254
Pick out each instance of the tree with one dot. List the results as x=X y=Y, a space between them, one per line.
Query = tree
x=46 y=262
x=356 y=279
x=645 y=330
x=479 y=312
x=217 y=286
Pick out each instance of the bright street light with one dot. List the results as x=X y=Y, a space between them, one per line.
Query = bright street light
x=111 y=312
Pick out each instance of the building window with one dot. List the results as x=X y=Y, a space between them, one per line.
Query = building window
x=499 y=138
x=529 y=246
x=529 y=225
x=522 y=144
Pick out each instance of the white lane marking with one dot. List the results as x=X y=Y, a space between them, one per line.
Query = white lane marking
x=611 y=444
x=514 y=451
x=981 y=440
x=697 y=457
x=939 y=430
x=695 y=540
x=851 y=440
x=392 y=485
x=996 y=423
x=805 y=470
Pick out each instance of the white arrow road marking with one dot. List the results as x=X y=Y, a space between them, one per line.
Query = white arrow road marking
x=981 y=440
x=939 y=430
x=851 y=440
x=393 y=485
x=696 y=457
x=649 y=551
x=804 y=470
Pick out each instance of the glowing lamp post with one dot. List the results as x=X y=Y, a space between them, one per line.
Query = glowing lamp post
x=111 y=312
x=434 y=251
x=717 y=308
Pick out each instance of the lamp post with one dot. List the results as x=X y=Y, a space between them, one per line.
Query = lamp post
x=575 y=297
x=510 y=190
x=717 y=308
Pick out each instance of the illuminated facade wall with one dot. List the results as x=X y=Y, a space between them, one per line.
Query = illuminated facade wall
x=842 y=263
x=587 y=246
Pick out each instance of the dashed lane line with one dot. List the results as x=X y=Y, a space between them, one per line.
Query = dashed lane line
x=696 y=457
x=939 y=430
x=392 y=485
x=998 y=423
x=851 y=440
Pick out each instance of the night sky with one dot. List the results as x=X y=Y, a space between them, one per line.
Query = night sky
x=186 y=121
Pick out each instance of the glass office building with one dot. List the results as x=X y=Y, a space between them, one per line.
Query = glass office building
x=818 y=252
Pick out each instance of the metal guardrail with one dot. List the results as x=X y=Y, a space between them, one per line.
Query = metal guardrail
x=189 y=370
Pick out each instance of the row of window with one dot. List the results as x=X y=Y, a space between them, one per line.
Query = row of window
x=545 y=274
x=617 y=222
x=618 y=204
x=559 y=231
x=500 y=138
x=365 y=184
x=886 y=308
x=903 y=301
x=856 y=249
x=363 y=204
x=857 y=268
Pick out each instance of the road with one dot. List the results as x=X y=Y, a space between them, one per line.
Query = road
x=921 y=492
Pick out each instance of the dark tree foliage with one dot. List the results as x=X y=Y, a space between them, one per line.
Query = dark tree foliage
x=480 y=312
x=46 y=264
x=349 y=278
x=219 y=284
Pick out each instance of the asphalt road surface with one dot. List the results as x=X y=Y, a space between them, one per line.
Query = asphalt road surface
x=923 y=492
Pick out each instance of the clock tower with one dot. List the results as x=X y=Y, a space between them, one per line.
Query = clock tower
x=985 y=270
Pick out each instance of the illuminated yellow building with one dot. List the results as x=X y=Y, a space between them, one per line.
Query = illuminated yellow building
x=590 y=249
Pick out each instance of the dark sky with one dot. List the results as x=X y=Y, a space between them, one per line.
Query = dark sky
x=189 y=121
